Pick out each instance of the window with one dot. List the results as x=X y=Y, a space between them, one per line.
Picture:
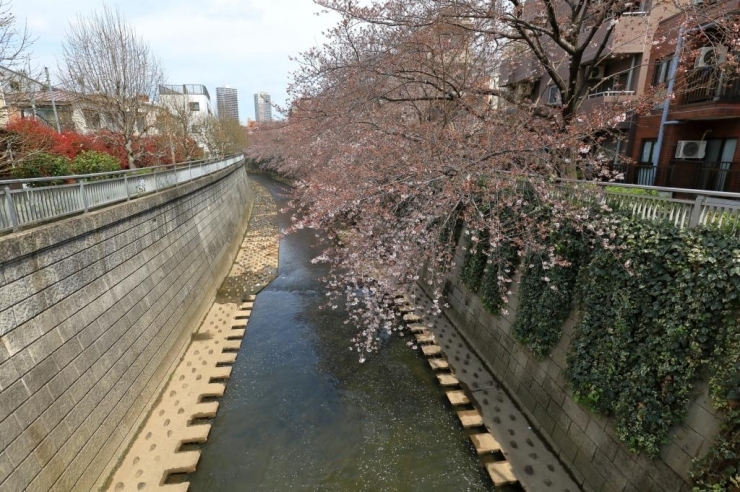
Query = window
x=645 y=169
x=636 y=7
x=553 y=95
x=92 y=119
x=646 y=154
x=194 y=106
x=715 y=168
x=662 y=67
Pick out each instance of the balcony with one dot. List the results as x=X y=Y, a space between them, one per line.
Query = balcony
x=706 y=85
x=698 y=175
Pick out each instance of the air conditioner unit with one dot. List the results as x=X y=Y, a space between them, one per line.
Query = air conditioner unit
x=691 y=149
x=596 y=72
x=710 y=56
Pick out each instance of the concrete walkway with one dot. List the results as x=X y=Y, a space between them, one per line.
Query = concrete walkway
x=533 y=464
x=161 y=448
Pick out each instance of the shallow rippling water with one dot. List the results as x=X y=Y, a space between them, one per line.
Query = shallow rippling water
x=300 y=412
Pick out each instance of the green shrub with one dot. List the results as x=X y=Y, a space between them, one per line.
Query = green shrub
x=631 y=191
x=42 y=165
x=91 y=162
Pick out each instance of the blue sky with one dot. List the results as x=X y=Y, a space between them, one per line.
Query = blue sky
x=244 y=44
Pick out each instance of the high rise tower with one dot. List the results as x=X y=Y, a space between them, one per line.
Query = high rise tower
x=262 y=107
x=227 y=103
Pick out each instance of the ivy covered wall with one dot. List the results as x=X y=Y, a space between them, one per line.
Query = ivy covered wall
x=624 y=352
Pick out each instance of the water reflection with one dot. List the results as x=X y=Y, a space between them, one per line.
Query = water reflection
x=300 y=413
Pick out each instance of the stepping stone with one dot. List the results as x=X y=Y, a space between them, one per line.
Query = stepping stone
x=183 y=462
x=458 y=398
x=501 y=473
x=227 y=358
x=447 y=380
x=411 y=318
x=243 y=314
x=247 y=305
x=430 y=350
x=232 y=345
x=236 y=333
x=424 y=338
x=401 y=299
x=485 y=443
x=195 y=433
x=406 y=308
x=205 y=410
x=470 y=418
x=213 y=390
x=219 y=372
x=417 y=328
x=437 y=364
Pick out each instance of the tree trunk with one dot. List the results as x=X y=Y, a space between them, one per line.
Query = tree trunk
x=128 y=146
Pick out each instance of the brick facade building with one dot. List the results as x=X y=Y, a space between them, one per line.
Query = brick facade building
x=699 y=148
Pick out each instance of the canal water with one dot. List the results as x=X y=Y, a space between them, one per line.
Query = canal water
x=301 y=413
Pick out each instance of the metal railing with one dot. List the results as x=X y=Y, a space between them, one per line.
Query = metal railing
x=694 y=174
x=706 y=84
x=26 y=202
x=716 y=209
x=611 y=93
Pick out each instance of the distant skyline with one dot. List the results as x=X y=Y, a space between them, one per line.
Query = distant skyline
x=262 y=107
x=227 y=99
x=241 y=44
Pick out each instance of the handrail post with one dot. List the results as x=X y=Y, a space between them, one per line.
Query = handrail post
x=125 y=185
x=83 y=195
x=696 y=211
x=10 y=205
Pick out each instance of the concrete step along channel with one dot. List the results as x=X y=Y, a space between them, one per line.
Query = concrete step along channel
x=167 y=447
x=488 y=448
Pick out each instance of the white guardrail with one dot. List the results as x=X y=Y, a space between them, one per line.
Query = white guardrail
x=708 y=208
x=26 y=202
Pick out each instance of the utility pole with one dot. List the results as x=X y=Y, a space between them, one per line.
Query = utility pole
x=53 y=103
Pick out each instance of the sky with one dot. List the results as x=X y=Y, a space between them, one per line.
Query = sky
x=245 y=44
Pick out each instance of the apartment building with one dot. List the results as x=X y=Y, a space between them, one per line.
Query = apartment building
x=614 y=66
x=689 y=140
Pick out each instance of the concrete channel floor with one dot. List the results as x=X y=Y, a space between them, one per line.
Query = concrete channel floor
x=161 y=447
x=534 y=465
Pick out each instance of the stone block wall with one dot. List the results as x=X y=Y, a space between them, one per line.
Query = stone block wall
x=585 y=442
x=94 y=311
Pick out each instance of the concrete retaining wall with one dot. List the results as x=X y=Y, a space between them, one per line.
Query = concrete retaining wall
x=94 y=311
x=585 y=442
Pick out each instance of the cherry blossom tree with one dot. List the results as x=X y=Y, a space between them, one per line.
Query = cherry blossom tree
x=399 y=129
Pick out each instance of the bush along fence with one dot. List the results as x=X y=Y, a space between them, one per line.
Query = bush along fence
x=30 y=201
x=659 y=303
